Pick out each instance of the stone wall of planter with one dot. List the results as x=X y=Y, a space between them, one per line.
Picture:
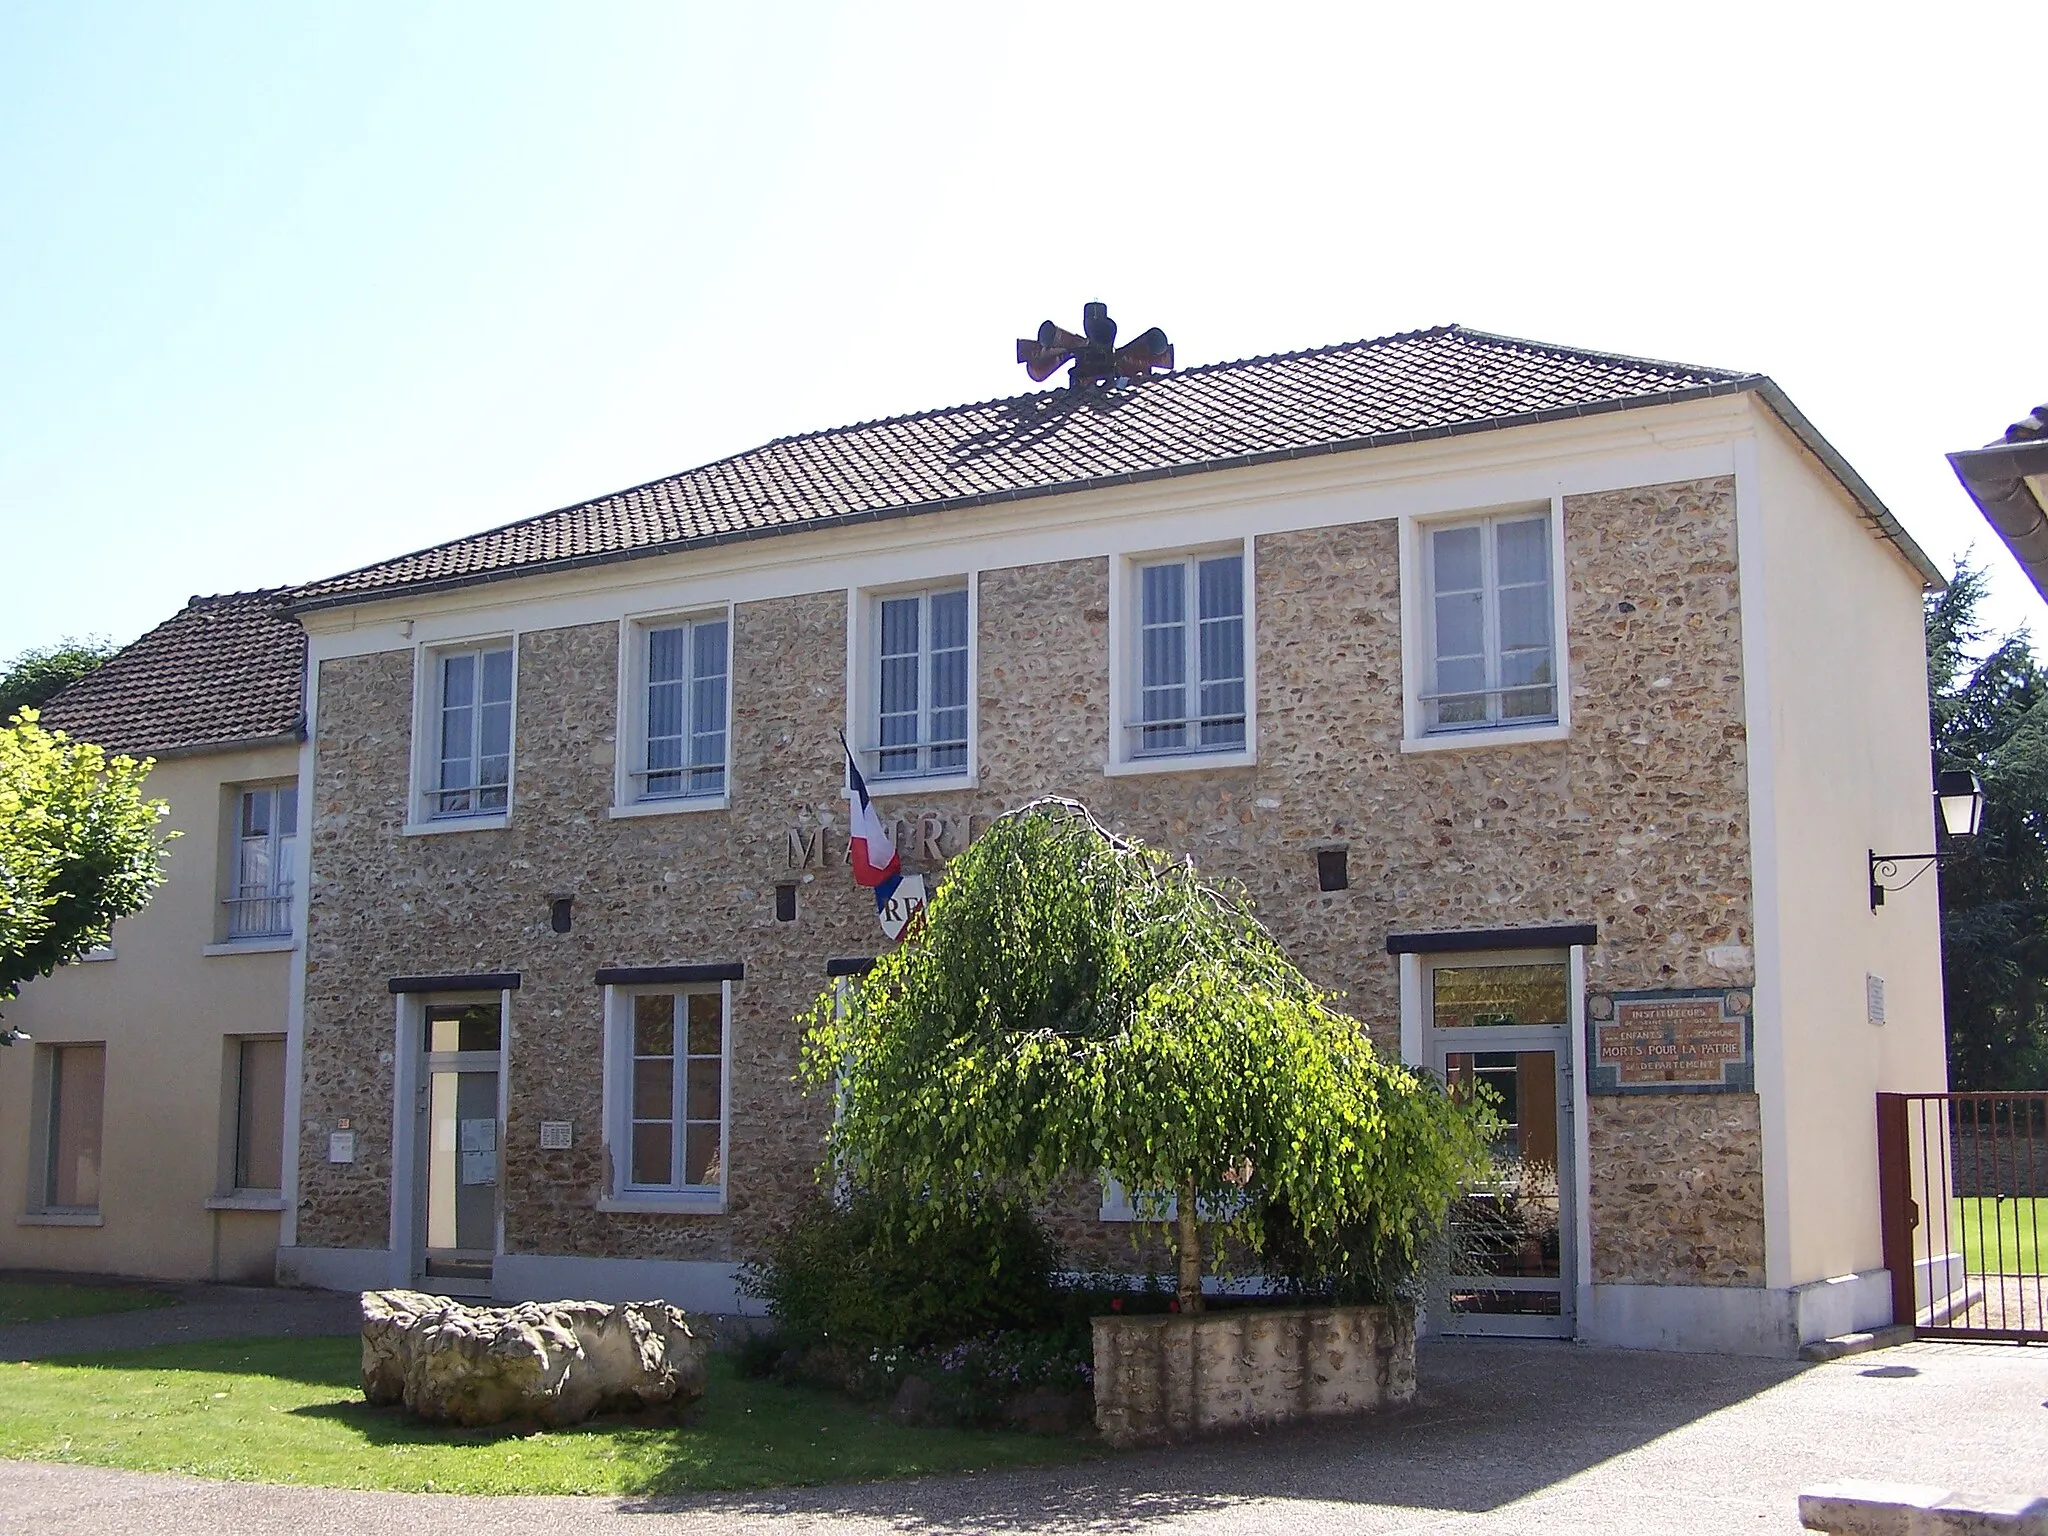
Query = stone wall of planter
x=1160 y=1379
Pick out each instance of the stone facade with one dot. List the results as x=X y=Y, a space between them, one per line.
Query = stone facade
x=1637 y=823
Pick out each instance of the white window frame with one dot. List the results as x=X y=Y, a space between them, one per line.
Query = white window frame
x=620 y=1193
x=279 y=895
x=864 y=698
x=423 y=816
x=629 y=796
x=1418 y=651
x=1126 y=663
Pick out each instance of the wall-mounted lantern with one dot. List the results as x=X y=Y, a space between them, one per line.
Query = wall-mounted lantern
x=1960 y=799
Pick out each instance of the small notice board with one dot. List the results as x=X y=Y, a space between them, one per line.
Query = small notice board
x=1696 y=1040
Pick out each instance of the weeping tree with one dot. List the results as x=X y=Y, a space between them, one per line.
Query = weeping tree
x=1078 y=1004
x=79 y=847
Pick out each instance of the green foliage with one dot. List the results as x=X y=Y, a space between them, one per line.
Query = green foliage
x=872 y=1272
x=1988 y=703
x=1077 y=1004
x=975 y=1380
x=38 y=675
x=79 y=847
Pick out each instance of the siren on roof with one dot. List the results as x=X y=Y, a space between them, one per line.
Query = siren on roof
x=1096 y=357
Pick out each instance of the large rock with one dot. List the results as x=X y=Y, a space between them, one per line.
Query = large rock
x=546 y=1362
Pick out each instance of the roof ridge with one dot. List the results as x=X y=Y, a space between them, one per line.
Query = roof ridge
x=928 y=414
x=1557 y=349
x=931 y=412
x=223 y=599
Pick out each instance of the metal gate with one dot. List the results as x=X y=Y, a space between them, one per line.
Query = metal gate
x=1963 y=1189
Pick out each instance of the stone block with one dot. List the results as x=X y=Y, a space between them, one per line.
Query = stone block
x=1906 y=1509
x=1160 y=1379
x=550 y=1363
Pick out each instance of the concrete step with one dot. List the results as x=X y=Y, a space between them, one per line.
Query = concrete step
x=1856 y=1343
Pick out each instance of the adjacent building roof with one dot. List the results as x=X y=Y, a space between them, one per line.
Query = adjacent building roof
x=1417 y=385
x=221 y=672
x=2008 y=480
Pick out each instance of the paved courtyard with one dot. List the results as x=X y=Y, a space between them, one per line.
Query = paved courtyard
x=1507 y=1437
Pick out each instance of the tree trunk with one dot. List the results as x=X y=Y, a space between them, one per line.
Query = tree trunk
x=1188 y=1238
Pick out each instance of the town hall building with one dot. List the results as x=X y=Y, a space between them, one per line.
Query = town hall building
x=1547 y=702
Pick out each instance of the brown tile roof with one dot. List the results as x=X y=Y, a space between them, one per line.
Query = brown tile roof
x=1420 y=384
x=220 y=672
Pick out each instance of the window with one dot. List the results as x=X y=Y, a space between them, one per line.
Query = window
x=266 y=831
x=71 y=1166
x=259 y=1114
x=470 y=769
x=1190 y=616
x=683 y=684
x=921 y=684
x=671 y=1043
x=1490 y=637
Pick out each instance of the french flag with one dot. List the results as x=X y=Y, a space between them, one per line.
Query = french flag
x=869 y=848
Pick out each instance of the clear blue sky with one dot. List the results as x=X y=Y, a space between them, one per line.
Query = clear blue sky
x=285 y=289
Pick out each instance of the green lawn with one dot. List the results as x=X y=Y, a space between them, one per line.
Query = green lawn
x=22 y=1302
x=292 y=1411
x=2004 y=1237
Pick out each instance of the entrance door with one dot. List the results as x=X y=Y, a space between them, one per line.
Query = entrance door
x=459 y=1132
x=1500 y=1024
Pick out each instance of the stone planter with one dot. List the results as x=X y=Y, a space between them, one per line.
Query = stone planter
x=1169 y=1378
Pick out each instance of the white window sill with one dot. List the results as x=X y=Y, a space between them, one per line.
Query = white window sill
x=249 y=1201
x=493 y=823
x=675 y=805
x=274 y=944
x=649 y=1202
x=928 y=784
x=59 y=1219
x=1183 y=762
x=1499 y=736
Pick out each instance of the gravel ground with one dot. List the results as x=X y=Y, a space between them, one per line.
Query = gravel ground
x=1508 y=1437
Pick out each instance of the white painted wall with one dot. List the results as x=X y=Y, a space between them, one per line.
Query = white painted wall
x=1839 y=730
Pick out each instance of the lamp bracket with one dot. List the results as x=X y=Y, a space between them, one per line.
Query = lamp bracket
x=1885 y=867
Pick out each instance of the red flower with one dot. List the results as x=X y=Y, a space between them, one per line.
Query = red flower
x=1116 y=1303
x=1173 y=1306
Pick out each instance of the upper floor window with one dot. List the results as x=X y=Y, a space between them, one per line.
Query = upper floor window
x=680 y=677
x=470 y=771
x=259 y=901
x=921 y=684
x=1190 y=617
x=1490 y=639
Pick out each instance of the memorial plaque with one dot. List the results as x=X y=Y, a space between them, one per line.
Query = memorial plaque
x=1690 y=1041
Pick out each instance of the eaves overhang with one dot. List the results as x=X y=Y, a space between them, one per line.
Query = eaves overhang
x=1795 y=421
x=2009 y=483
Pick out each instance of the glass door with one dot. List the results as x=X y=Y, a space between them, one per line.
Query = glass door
x=459 y=1132
x=1499 y=1027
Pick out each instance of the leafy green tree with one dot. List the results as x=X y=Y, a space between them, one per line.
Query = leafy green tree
x=1988 y=702
x=39 y=674
x=79 y=847
x=1077 y=1004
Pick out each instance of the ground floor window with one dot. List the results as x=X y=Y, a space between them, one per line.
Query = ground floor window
x=75 y=1108
x=259 y=1114
x=667 y=1049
